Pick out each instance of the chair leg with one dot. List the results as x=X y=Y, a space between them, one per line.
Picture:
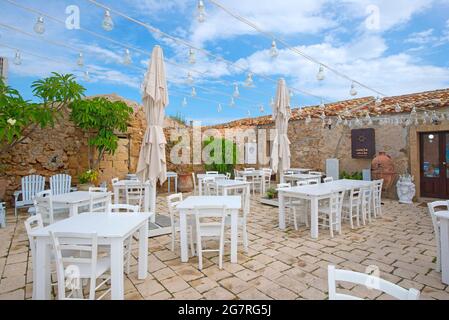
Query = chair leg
x=351 y=218
x=295 y=222
x=331 y=227
x=15 y=212
x=192 y=245
x=245 y=237
x=199 y=250
x=358 y=216
x=173 y=235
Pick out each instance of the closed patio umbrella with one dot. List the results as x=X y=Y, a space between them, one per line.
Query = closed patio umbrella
x=152 y=163
x=280 y=154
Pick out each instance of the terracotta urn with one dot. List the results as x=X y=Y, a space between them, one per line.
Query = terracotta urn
x=382 y=167
x=185 y=183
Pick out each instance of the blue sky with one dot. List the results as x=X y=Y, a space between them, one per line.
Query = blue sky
x=405 y=50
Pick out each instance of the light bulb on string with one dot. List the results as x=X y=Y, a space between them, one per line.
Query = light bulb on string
x=320 y=75
x=249 y=82
x=353 y=91
x=425 y=117
x=189 y=78
x=219 y=108
x=236 y=92
x=184 y=102
x=201 y=14
x=398 y=108
x=193 y=93
x=261 y=108
x=274 y=52
x=329 y=123
x=107 y=24
x=413 y=112
x=249 y=113
x=322 y=105
x=232 y=103
x=192 y=58
x=127 y=60
x=18 y=58
x=39 y=26
x=86 y=75
x=80 y=60
x=368 y=119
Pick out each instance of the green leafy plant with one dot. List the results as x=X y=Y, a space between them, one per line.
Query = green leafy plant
x=229 y=151
x=271 y=193
x=101 y=119
x=89 y=176
x=19 y=118
x=353 y=176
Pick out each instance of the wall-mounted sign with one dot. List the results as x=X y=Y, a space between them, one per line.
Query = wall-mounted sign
x=363 y=143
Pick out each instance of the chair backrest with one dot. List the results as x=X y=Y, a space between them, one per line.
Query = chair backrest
x=87 y=246
x=122 y=208
x=98 y=189
x=99 y=203
x=284 y=185
x=44 y=206
x=313 y=181
x=211 y=172
x=328 y=179
x=60 y=183
x=355 y=195
x=194 y=183
x=240 y=178
x=134 y=194
x=172 y=201
x=336 y=203
x=366 y=196
x=433 y=207
x=31 y=224
x=316 y=173
x=249 y=169
x=371 y=281
x=301 y=183
x=31 y=185
x=228 y=175
x=267 y=172
x=205 y=214
x=209 y=185
x=378 y=184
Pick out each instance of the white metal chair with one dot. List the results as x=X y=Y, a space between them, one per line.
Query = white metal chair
x=31 y=185
x=87 y=266
x=331 y=215
x=351 y=206
x=99 y=203
x=371 y=281
x=433 y=208
x=295 y=206
x=328 y=179
x=2 y=215
x=172 y=201
x=134 y=194
x=60 y=183
x=205 y=228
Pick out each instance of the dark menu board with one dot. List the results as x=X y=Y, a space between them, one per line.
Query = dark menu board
x=363 y=143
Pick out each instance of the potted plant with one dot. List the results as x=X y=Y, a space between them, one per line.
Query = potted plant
x=271 y=193
x=87 y=179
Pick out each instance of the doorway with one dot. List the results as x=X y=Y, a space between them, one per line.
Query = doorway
x=434 y=164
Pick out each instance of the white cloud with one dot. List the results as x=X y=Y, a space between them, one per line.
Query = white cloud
x=422 y=37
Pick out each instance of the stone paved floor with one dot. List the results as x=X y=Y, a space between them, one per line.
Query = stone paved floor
x=279 y=264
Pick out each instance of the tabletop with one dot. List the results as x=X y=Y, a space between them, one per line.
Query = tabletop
x=302 y=176
x=123 y=183
x=328 y=187
x=105 y=225
x=250 y=173
x=203 y=175
x=76 y=196
x=230 y=183
x=232 y=202
x=171 y=174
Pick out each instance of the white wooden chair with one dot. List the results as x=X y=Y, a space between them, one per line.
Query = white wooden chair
x=267 y=172
x=257 y=184
x=351 y=207
x=249 y=169
x=195 y=187
x=33 y=223
x=2 y=215
x=134 y=195
x=366 y=194
x=122 y=208
x=313 y=181
x=371 y=281
x=172 y=201
x=240 y=179
x=301 y=183
x=295 y=206
x=242 y=220
x=228 y=175
x=209 y=186
x=377 y=197
x=331 y=215
x=60 y=183
x=433 y=208
x=211 y=172
x=87 y=266
x=31 y=185
x=99 y=203
x=206 y=228
x=43 y=205
x=114 y=180
x=316 y=173
x=328 y=179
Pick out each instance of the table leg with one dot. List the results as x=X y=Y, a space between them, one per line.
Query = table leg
x=444 y=238
x=200 y=187
x=176 y=184
x=234 y=235
x=117 y=280
x=281 y=211
x=143 y=251
x=116 y=195
x=183 y=236
x=314 y=218
x=73 y=210
x=41 y=271
x=168 y=183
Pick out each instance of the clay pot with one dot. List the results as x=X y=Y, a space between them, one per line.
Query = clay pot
x=185 y=183
x=382 y=167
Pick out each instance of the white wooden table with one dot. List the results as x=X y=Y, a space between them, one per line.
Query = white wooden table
x=301 y=177
x=225 y=186
x=112 y=230
x=254 y=174
x=233 y=203
x=314 y=193
x=299 y=170
x=120 y=188
x=201 y=176
x=75 y=200
x=444 y=247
